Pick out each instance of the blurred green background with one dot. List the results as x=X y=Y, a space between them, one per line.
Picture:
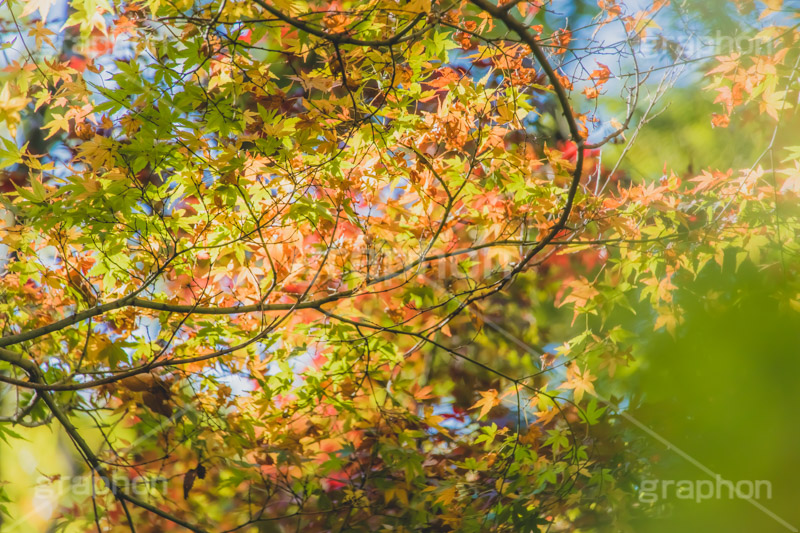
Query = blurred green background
x=725 y=391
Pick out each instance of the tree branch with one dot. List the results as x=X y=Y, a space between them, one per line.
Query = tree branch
x=522 y=31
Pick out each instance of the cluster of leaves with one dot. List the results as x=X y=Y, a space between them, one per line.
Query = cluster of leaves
x=267 y=238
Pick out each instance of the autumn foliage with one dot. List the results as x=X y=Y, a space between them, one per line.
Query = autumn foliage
x=269 y=242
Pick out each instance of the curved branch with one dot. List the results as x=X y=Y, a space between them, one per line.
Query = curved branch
x=561 y=94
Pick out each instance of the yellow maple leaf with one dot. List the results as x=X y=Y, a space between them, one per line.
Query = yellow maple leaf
x=43 y=6
x=59 y=123
x=446 y=496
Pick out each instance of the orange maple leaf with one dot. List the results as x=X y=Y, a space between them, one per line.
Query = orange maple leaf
x=488 y=400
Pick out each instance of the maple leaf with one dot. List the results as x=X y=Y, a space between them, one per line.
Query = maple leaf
x=97 y=152
x=582 y=292
x=447 y=496
x=579 y=382
x=564 y=80
x=729 y=96
x=591 y=92
x=423 y=393
x=708 y=180
x=720 y=120
x=773 y=102
x=601 y=75
x=488 y=400
x=726 y=64
x=59 y=123
x=531 y=437
x=41 y=33
x=561 y=39
x=43 y=6
x=666 y=319
x=546 y=416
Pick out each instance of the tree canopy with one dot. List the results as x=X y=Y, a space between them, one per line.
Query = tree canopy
x=283 y=265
